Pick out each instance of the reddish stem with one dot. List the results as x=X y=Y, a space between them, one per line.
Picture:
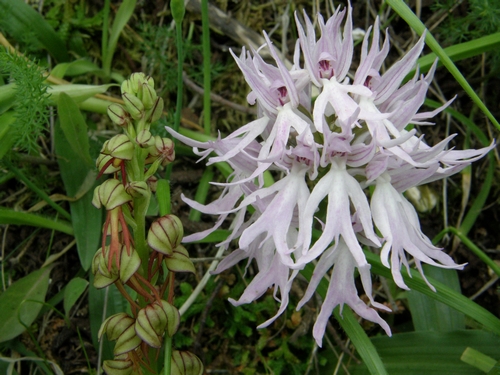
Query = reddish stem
x=123 y=291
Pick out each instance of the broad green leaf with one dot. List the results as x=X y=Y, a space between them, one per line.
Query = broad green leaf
x=78 y=93
x=443 y=294
x=73 y=291
x=353 y=329
x=95 y=105
x=431 y=353
x=430 y=315
x=25 y=22
x=8 y=216
x=7 y=96
x=21 y=303
x=74 y=68
x=74 y=128
x=79 y=182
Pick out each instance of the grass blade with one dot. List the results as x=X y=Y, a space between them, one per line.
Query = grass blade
x=406 y=13
x=8 y=216
x=462 y=51
x=122 y=16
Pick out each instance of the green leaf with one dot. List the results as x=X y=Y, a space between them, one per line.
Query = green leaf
x=73 y=291
x=74 y=68
x=431 y=353
x=79 y=181
x=74 y=127
x=22 y=21
x=7 y=97
x=7 y=138
x=443 y=294
x=430 y=315
x=21 y=303
x=462 y=51
x=407 y=14
x=8 y=216
x=78 y=93
x=122 y=17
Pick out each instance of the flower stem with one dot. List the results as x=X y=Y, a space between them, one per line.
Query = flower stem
x=206 y=66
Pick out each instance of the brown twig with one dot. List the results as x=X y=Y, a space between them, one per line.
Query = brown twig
x=216 y=98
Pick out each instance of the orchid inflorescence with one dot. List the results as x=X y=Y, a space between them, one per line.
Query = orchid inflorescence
x=329 y=151
x=146 y=263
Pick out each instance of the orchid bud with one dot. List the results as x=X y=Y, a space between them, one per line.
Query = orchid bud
x=179 y=261
x=150 y=81
x=118 y=115
x=156 y=111
x=110 y=194
x=164 y=149
x=119 y=147
x=126 y=87
x=104 y=159
x=145 y=139
x=148 y=96
x=120 y=327
x=118 y=366
x=134 y=105
x=136 y=80
x=156 y=319
x=129 y=264
x=103 y=277
x=152 y=182
x=138 y=188
x=185 y=363
x=165 y=234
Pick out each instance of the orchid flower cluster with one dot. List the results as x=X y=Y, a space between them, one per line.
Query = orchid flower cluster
x=146 y=263
x=328 y=152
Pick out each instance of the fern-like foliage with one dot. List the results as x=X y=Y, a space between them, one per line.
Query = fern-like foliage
x=31 y=104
